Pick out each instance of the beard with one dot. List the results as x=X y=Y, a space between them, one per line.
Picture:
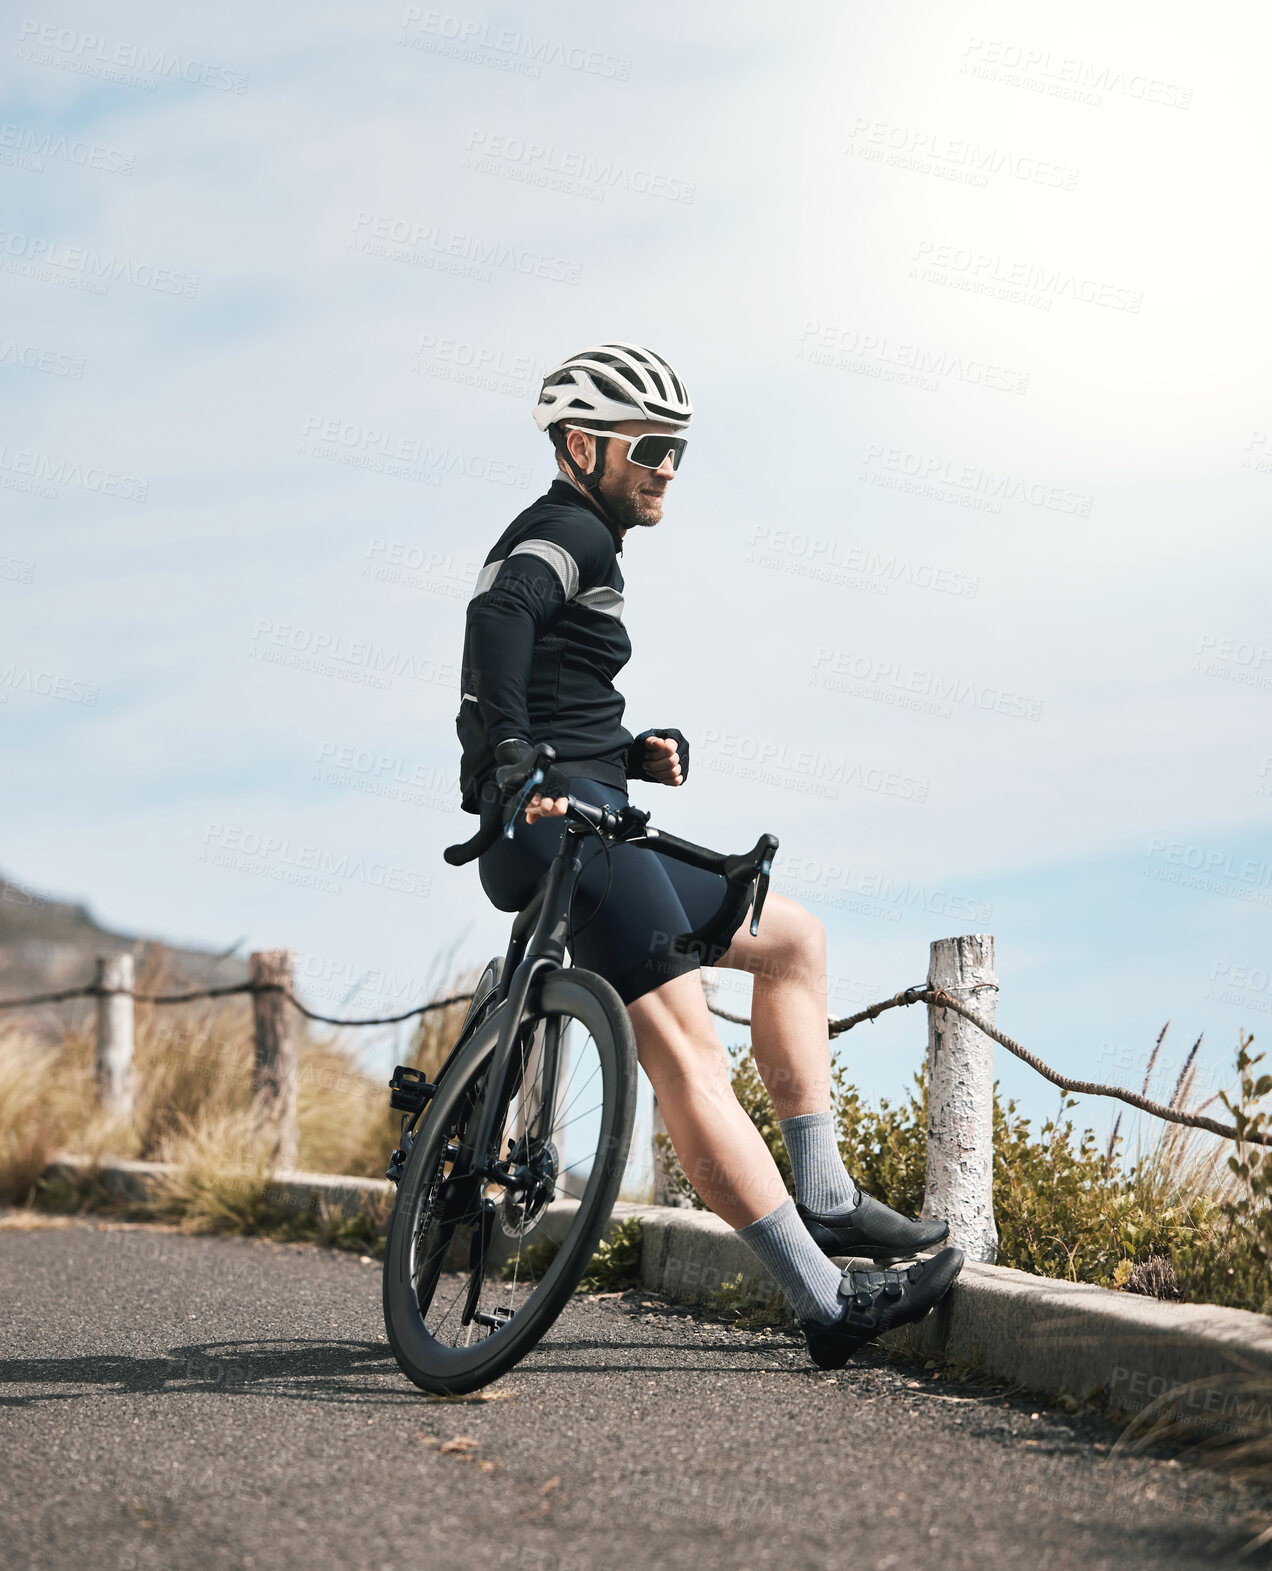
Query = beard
x=631 y=507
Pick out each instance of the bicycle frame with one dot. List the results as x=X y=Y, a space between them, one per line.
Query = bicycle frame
x=538 y=942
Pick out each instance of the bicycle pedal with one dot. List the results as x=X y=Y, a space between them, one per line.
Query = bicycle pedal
x=410 y=1090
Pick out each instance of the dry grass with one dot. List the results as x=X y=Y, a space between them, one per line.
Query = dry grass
x=193 y=1104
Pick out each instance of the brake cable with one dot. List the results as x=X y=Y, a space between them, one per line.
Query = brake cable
x=571 y=930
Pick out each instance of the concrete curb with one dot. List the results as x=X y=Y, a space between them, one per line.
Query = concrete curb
x=1052 y=1337
x=127 y=1180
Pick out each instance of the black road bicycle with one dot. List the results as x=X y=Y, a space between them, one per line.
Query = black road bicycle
x=510 y=1160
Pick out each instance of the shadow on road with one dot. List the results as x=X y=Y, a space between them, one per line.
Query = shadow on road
x=313 y=1371
x=338 y=1371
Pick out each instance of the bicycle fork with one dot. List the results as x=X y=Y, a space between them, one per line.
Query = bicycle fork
x=545 y=951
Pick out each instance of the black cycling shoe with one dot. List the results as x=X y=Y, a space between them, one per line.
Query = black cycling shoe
x=872 y=1230
x=879 y=1301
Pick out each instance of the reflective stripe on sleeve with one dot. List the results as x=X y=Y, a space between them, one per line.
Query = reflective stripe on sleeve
x=607 y=601
x=557 y=558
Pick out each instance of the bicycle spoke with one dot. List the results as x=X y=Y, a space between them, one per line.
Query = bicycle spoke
x=595 y=1071
x=586 y=1113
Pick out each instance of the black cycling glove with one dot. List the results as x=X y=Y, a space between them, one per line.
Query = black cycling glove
x=514 y=759
x=635 y=769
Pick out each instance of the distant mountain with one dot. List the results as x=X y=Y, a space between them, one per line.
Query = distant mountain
x=47 y=945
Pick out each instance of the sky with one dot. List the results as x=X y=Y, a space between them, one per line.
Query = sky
x=962 y=588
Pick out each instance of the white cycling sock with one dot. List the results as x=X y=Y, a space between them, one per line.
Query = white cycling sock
x=821 y=1179
x=808 y=1280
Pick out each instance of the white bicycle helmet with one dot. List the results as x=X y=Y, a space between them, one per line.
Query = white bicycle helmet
x=612 y=382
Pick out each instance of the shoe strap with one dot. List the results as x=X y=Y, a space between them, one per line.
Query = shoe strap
x=864 y=1286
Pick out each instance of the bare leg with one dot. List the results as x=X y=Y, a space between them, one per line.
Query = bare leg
x=789 y=1039
x=720 y=1149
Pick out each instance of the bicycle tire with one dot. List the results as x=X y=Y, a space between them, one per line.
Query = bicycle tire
x=431 y=1364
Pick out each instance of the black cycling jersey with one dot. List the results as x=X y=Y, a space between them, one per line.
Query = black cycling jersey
x=543 y=643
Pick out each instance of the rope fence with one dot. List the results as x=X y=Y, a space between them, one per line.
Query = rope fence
x=936 y=997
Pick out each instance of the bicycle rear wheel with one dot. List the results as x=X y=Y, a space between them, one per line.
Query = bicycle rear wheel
x=476 y=1270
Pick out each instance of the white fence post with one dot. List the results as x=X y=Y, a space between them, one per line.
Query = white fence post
x=115 y=1034
x=276 y=1078
x=960 y=1135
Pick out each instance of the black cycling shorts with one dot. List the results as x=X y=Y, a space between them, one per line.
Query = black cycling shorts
x=653 y=900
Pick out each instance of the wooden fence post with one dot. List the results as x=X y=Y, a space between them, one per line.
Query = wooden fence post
x=960 y=1134
x=115 y=1034
x=274 y=1082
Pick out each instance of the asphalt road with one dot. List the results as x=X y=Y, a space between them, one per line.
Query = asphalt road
x=174 y=1402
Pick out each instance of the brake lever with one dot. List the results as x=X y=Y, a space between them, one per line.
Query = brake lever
x=761 y=889
x=766 y=847
x=536 y=779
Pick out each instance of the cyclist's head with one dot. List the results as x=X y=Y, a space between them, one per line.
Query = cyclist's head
x=627 y=391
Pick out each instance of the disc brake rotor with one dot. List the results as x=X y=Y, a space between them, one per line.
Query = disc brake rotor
x=522 y=1208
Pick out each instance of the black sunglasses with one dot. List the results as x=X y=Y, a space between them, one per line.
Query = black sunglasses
x=649 y=451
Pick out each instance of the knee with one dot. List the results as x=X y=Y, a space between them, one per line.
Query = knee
x=797 y=946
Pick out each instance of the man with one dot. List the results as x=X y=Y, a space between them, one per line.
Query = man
x=544 y=641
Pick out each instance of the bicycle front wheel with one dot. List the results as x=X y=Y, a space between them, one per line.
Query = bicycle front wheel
x=476 y=1269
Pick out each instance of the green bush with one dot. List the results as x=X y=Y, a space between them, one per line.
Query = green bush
x=616 y=1263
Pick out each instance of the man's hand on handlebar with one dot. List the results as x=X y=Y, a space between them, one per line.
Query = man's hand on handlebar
x=517 y=760
x=546 y=807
